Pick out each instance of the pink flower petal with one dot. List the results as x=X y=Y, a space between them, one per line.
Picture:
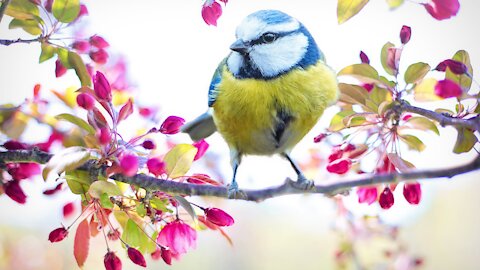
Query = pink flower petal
x=447 y=88
x=172 y=125
x=412 y=192
x=129 y=164
x=442 y=9
x=367 y=194
x=202 y=147
x=211 y=13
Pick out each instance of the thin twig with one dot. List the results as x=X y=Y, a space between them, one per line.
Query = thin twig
x=8 y=42
x=288 y=187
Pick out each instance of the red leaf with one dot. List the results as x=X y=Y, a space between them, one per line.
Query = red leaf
x=126 y=110
x=82 y=242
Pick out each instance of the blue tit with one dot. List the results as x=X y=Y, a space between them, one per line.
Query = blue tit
x=269 y=92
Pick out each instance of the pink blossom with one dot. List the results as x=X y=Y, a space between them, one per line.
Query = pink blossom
x=20 y=171
x=45 y=146
x=202 y=147
x=81 y=46
x=339 y=166
x=68 y=209
x=367 y=194
x=320 y=137
x=136 y=257
x=58 y=235
x=85 y=101
x=211 y=11
x=412 y=192
x=101 y=86
x=156 y=166
x=386 y=199
x=447 y=88
x=14 y=191
x=172 y=125
x=99 y=42
x=60 y=69
x=406 y=117
x=112 y=262
x=99 y=57
x=83 y=11
x=364 y=58
x=218 y=217
x=337 y=153
x=442 y=9
x=129 y=164
x=104 y=136
x=178 y=237
x=405 y=34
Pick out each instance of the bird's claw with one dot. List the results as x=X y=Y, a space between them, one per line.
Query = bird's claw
x=304 y=184
x=234 y=193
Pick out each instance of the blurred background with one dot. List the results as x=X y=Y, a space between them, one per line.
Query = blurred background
x=171 y=55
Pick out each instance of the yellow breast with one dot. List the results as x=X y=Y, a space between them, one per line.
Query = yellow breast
x=245 y=110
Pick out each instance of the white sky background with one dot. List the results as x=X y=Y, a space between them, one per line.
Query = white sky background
x=171 y=55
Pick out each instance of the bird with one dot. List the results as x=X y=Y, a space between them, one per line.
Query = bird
x=268 y=93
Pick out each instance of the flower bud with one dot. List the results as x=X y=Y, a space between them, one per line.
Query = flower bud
x=447 y=89
x=156 y=166
x=218 y=217
x=320 y=137
x=136 y=257
x=14 y=191
x=129 y=164
x=367 y=194
x=364 y=58
x=211 y=12
x=149 y=145
x=202 y=147
x=99 y=42
x=339 y=166
x=172 y=125
x=57 y=235
x=68 y=209
x=104 y=136
x=60 y=69
x=101 y=86
x=112 y=262
x=85 y=101
x=456 y=67
x=405 y=34
x=386 y=199
x=81 y=46
x=99 y=57
x=412 y=192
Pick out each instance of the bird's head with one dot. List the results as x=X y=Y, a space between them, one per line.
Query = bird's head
x=270 y=43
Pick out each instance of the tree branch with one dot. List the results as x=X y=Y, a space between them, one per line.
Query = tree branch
x=3 y=8
x=288 y=187
x=442 y=119
x=8 y=42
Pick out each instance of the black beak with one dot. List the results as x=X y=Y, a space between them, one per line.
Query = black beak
x=240 y=47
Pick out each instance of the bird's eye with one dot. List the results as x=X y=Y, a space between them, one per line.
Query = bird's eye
x=269 y=37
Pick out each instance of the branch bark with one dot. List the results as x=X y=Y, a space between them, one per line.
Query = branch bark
x=8 y=42
x=288 y=187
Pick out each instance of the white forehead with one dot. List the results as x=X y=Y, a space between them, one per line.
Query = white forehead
x=253 y=27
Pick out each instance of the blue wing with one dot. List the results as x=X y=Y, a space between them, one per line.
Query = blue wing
x=217 y=77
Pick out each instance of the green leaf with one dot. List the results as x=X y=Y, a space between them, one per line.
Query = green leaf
x=152 y=246
x=346 y=9
x=179 y=159
x=336 y=124
x=354 y=120
x=466 y=139
x=362 y=72
x=141 y=210
x=14 y=125
x=352 y=94
x=77 y=63
x=98 y=188
x=416 y=72
x=63 y=57
x=187 y=206
x=393 y=4
x=159 y=204
x=66 y=10
x=422 y=123
x=82 y=243
x=384 y=58
x=22 y=10
x=67 y=160
x=105 y=201
x=134 y=236
x=48 y=51
x=425 y=90
x=30 y=26
x=78 y=181
x=76 y=121
x=376 y=97
x=463 y=80
x=413 y=142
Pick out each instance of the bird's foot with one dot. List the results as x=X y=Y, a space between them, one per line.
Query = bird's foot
x=234 y=193
x=304 y=184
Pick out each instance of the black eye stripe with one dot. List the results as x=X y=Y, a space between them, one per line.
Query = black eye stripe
x=261 y=40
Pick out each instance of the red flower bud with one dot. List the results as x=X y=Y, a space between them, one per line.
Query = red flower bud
x=14 y=191
x=99 y=57
x=68 y=209
x=112 y=262
x=339 y=166
x=36 y=2
x=149 y=145
x=320 y=137
x=104 y=136
x=136 y=257
x=98 y=42
x=83 y=11
x=15 y=145
x=20 y=171
x=129 y=164
x=367 y=194
x=54 y=190
x=85 y=101
x=412 y=192
x=59 y=69
x=337 y=153
x=82 y=46
x=349 y=148
x=166 y=255
x=48 y=5
x=218 y=217
x=57 y=235
x=386 y=199
x=442 y=9
x=406 y=117
x=101 y=86
x=211 y=12
x=156 y=166
x=405 y=34
x=202 y=147
x=364 y=58
x=456 y=67
x=447 y=89
x=172 y=125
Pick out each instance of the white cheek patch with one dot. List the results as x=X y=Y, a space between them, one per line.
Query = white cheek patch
x=279 y=56
x=251 y=28
x=235 y=62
